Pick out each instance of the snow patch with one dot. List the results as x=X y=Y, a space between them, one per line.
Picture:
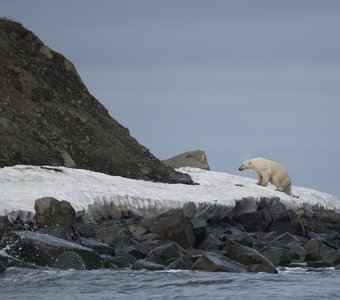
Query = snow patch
x=214 y=195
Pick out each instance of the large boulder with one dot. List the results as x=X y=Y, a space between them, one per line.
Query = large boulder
x=172 y=225
x=194 y=159
x=210 y=261
x=167 y=253
x=211 y=242
x=322 y=221
x=2 y=267
x=277 y=256
x=249 y=257
x=51 y=212
x=112 y=234
x=48 y=116
x=44 y=250
x=269 y=214
x=142 y=264
x=69 y=260
x=199 y=227
x=99 y=247
x=5 y=225
x=332 y=257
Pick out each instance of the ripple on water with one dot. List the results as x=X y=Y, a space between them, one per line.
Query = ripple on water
x=126 y=284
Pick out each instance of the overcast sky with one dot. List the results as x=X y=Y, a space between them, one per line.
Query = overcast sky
x=238 y=79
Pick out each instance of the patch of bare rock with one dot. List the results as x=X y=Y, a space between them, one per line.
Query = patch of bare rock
x=263 y=241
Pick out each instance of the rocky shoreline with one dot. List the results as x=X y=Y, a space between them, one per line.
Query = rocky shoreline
x=265 y=240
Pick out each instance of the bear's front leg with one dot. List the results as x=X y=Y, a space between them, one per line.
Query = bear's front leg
x=259 y=182
x=265 y=180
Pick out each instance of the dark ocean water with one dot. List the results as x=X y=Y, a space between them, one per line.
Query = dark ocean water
x=126 y=284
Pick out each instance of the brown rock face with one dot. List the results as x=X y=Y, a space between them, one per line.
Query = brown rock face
x=48 y=117
x=172 y=225
x=51 y=212
x=194 y=159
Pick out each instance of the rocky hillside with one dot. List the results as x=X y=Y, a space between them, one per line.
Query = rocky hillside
x=48 y=117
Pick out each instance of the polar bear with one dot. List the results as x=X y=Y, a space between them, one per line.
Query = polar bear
x=269 y=171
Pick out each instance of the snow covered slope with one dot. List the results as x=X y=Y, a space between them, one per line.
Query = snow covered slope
x=88 y=191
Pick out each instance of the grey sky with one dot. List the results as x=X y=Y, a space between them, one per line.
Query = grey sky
x=237 y=79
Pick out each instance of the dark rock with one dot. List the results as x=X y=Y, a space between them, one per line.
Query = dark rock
x=86 y=230
x=108 y=262
x=18 y=224
x=148 y=245
x=331 y=239
x=332 y=257
x=199 y=227
x=124 y=259
x=180 y=264
x=228 y=221
x=297 y=264
x=286 y=238
x=327 y=215
x=318 y=264
x=4 y=259
x=6 y=126
x=194 y=159
x=172 y=225
x=117 y=262
x=246 y=206
x=275 y=244
x=312 y=248
x=16 y=263
x=48 y=117
x=142 y=264
x=259 y=239
x=148 y=237
x=166 y=254
x=43 y=249
x=277 y=256
x=52 y=212
x=271 y=235
x=242 y=238
x=99 y=247
x=137 y=230
x=112 y=234
x=2 y=267
x=268 y=214
x=212 y=262
x=255 y=221
x=322 y=221
x=287 y=221
x=211 y=242
x=100 y=213
x=283 y=220
x=5 y=225
x=69 y=260
x=315 y=236
x=63 y=232
x=278 y=211
x=249 y=257
x=296 y=251
x=337 y=267
x=312 y=256
x=137 y=251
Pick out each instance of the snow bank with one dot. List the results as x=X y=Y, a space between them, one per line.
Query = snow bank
x=214 y=195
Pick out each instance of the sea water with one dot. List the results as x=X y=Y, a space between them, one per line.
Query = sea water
x=126 y=284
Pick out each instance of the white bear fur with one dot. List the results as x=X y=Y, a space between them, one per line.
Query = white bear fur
x=269 y=171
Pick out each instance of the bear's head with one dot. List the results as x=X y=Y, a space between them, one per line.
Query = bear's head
x=246 y=165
